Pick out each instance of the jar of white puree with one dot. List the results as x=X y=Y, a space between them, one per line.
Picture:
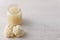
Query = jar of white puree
x=14 y=15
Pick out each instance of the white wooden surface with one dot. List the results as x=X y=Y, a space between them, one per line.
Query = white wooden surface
x=41 y=19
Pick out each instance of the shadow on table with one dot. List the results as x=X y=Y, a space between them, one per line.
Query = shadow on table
x=27 y=22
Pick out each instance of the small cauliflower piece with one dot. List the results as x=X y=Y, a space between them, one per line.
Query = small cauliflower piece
x=17 y=30
x=11 y=31
x=8 y=31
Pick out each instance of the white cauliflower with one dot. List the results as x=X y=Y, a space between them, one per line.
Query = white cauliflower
x=17 y=30
x=13 y=31
x=8 y=32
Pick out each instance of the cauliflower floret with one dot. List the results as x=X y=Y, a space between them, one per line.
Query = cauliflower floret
x=13 y=31
x=17 y=30
x=8 y=31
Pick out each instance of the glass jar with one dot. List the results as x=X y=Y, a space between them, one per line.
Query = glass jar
x=14 y=15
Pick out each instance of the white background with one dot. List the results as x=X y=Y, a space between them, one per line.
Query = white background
x=41 y=19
